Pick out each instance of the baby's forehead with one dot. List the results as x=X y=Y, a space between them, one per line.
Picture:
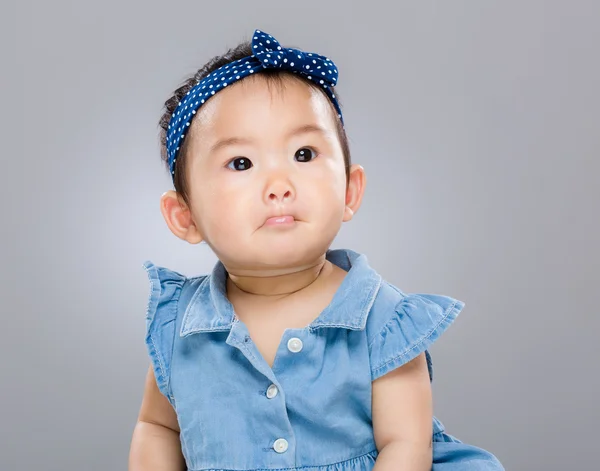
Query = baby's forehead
x=274 y=100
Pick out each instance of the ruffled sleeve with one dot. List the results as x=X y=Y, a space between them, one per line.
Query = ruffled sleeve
x=161 y=317
x=409 y=330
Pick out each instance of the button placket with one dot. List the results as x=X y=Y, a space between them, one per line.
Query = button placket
x=239 y=337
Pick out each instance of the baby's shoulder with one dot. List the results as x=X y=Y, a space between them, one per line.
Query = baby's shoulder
x=169 y=289
x=391 y=302
x=400 y=326
x=384 y=308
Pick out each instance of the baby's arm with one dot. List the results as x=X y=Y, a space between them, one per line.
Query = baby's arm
x=155 y=444
x=402 y=418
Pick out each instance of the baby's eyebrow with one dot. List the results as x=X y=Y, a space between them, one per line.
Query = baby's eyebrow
x=230 y=141
x=304 y=129
x=308 y=128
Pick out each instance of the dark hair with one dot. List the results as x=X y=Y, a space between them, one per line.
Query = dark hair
x=272 y=75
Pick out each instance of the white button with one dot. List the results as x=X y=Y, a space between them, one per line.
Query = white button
x=280 y=445
x=294 y=345
x=272 y=391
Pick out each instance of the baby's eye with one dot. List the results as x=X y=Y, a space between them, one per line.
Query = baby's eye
x=306 y=154
x=240 y=163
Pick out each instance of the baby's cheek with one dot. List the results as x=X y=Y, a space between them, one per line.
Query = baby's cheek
x=224 y=226
x=334 y=198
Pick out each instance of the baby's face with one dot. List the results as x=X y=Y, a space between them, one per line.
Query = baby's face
x=266 y=174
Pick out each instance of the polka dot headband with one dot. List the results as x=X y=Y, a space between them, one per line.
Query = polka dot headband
x=267 y=53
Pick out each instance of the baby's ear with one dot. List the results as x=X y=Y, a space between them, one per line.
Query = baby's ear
x=355 y=190
x=178 y=217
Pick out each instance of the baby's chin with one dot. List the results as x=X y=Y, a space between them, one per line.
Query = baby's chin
x=274 y=258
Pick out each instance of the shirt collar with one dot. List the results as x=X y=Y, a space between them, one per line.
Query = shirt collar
x=209 y=310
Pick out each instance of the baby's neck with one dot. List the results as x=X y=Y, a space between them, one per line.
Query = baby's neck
x=277 y=285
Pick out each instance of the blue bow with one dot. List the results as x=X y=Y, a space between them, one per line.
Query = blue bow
x=314 y=66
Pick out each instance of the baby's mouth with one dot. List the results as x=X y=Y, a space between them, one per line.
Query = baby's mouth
x=285 y=220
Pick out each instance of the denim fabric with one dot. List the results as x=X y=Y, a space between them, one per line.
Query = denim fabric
x=312 y=409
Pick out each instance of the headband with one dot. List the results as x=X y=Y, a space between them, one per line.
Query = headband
x=267 y=53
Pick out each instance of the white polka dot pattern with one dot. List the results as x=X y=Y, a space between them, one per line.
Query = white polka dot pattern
x=267 y=53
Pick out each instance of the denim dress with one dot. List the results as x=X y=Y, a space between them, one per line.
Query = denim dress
x=312 y=409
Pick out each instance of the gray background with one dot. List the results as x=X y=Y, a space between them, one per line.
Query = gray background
x=477 y=123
